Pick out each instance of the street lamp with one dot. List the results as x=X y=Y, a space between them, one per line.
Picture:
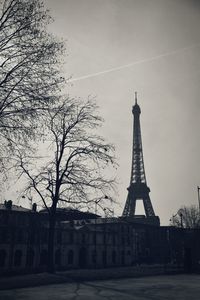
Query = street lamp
x=181 y=216
x=179 y=213
x=198 y=188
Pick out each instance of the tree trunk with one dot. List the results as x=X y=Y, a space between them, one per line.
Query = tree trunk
x=52 y=222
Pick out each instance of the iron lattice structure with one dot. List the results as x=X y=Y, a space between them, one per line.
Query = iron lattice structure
x=138 y=189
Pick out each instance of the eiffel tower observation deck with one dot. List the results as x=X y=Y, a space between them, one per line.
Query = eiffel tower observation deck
x=138 y=189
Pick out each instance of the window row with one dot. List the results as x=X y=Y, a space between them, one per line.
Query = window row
x=43 y=259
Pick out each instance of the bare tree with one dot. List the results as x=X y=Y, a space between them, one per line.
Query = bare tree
x=29 y=74
x=72 y=170
x=186 y=217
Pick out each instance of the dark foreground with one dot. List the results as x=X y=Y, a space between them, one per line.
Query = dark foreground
x=160 y=287
x=80 y=275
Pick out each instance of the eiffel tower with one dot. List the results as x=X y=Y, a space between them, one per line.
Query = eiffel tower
x=138 y=189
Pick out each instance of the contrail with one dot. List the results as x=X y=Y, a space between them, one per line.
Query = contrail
x=134 y=63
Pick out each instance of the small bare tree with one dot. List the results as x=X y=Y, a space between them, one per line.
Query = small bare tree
x=72 y=170
x=29 y=74
x=186 y=217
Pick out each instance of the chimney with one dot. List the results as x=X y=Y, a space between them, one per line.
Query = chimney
x=8 y=204
x=34 y=207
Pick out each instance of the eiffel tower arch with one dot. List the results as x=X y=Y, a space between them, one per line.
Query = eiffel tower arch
x=138 y=189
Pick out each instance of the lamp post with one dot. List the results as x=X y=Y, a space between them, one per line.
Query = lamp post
x=105 y=238
x=179 y=213
x=198 y=188
x=95 y=235
x=181 y=216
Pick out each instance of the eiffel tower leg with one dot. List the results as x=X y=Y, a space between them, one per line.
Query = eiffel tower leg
x=126 y=208
x=148 y=207
x=132 y=207
x=129 y=209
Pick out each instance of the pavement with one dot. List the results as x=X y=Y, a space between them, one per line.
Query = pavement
x=160 y=287
x=32 y=280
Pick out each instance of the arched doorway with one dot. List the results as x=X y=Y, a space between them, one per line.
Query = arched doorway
x=30 y=258
x=82 y=258
x=17 y=258
x=70 y=257
x=43 y=257
x=58 y=257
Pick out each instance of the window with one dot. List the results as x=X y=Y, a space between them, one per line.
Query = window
x=113 y=240
x=94 y=256
x=114 y=257
x=83 y=238
x=59 y=237
x=70 y=257
x=32 y=237
x=2 y=258
x=19 y=237
x=104 y=238
x=58 y=257
x=44 y=236
x=94 y=238
x=104 y=258
x=17 y=258
x=4 y=235
x=71 y=238
x=122 y=257
x=43 y=258
x=5 y=218
x=30 y=258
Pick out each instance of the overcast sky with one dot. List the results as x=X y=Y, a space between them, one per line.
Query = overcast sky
x=152 y=47
x=158 y=42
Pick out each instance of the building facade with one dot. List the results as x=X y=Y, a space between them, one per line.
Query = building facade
x=82 y=242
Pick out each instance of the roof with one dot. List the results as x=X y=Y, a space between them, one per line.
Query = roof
x=72 y=214
x=14 y=208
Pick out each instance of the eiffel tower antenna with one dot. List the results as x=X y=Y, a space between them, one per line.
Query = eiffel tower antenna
x=138 y=189
x=135 y=98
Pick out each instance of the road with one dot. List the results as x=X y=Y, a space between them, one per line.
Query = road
x=163 y=287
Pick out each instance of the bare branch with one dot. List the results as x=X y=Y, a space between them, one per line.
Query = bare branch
x=74 y=172
x=29 y=68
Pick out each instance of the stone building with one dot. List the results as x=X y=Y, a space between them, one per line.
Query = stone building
x=84 y=240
